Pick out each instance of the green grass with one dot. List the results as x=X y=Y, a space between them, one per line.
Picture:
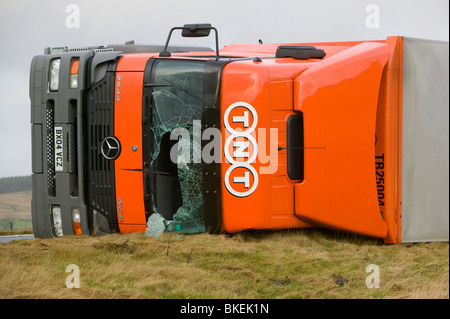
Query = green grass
x=283 y=264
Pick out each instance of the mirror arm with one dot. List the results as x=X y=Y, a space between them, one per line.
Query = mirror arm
x=165 y=53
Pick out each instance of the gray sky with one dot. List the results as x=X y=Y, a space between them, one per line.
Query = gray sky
x=27 y=27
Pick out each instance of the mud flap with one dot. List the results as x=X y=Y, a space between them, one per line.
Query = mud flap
x=338 y=99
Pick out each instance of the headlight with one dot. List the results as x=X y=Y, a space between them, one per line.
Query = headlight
x=57 y=221
x=73 y=84
x=76 y=215
x=54 y=75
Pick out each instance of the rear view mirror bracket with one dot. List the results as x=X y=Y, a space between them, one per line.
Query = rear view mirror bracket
x=192 y=31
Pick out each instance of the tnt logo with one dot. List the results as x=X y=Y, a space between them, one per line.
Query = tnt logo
x=241 y=149
x=241 y=180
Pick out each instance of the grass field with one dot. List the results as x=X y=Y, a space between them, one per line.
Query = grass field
x=282 y=264
x=308 y=263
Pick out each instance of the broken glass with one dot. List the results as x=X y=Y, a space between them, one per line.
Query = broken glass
x=155 y=225
x=176 y=104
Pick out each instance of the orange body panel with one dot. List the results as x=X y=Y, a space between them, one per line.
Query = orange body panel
x=128 y=129
x=389 y=142
x=338 y=98
x=271 y=205
x=347 y=98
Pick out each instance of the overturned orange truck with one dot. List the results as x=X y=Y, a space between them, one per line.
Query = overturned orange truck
x=350 y=136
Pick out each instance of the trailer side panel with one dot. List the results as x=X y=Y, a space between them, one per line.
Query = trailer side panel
x=425 y=158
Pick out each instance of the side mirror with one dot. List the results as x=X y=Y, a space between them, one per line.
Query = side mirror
x=192 y=31
x=196 y=30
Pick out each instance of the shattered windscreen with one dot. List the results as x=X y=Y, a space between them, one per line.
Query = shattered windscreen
x=176 y=103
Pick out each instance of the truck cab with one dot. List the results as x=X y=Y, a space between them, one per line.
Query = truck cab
x=257 y=136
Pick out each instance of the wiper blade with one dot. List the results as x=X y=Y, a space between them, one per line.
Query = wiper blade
x=174 y=85
x=184 y=90
x=146 y=170
x=148 y=85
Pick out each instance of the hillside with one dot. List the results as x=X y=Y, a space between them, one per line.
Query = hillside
x=15 y=184
x=15 y=212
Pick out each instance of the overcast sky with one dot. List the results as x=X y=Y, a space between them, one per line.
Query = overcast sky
x=28 y=26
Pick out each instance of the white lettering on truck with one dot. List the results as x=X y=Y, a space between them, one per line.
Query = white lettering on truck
x=242 y=149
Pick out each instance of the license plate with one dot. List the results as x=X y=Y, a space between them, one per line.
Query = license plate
x=59 y=149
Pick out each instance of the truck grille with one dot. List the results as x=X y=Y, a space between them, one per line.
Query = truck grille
x=100 y=124
x=49 y=125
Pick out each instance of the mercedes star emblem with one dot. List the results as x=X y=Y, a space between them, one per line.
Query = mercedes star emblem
x=110 y=148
